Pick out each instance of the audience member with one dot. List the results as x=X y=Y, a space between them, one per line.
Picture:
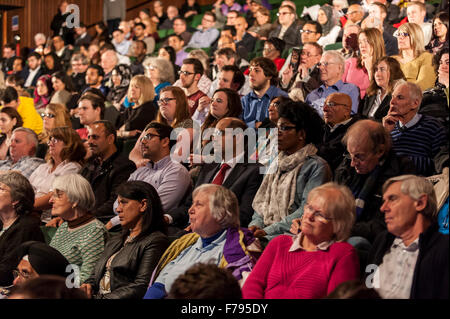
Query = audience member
x=190 y=74
x=439 y=40
x=10 y=119
x=160 y=71
x=206 y=33
x=63 y=88
x=327 y=17
x=262 y=26
x=311 y=32
x=416 y=13
x=79 y=64
x=43 y=92
x=35 y=71
x=288 y=28
x=91 y=108
x=94 y=78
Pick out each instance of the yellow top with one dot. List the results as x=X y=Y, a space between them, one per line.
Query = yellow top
x=30 y=117
x=420 y=70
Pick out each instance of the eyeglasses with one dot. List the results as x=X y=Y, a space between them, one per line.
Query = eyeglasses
x=357 y=158
x=333 y=104
x=283 y=13
x=149 y=136
x=17 y=273
x=316 y=214
x=401 y=34
x=49 y=115
x=57 y=194
x=275 y=104
x=284 y=128
x=165 y=101
x=307 y=31
x=53 y=140
x=268 y=49
x=206 y=20
x=185 y=73
x=325 y=64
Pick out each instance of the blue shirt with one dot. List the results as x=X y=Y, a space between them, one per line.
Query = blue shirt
x=317 y=97
x=256 y=109
x=203 y=39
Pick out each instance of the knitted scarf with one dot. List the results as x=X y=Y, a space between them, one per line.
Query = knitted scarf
x=277 y=191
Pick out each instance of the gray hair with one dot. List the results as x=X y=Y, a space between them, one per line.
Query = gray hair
x=80 y=57
x=416 y=186
x=77 y=189
x=223 y=204
x=337 y=57
x=164 y=67
x=21 y=191
x=40 y=36
x=201 y=56
x=415 y=92
x=340 y=204
x=32 y=137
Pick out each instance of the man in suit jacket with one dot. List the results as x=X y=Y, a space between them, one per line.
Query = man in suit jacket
x=233 y=172
x=289 y=29
x=34 y=70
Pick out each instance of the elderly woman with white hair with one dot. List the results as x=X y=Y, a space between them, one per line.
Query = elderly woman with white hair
x=160 y=72
x=216 y=238
x=314 y=262
x=81 y=237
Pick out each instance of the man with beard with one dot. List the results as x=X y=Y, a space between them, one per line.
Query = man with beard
x=255 y=105
x=106 y=168
x=190 y=74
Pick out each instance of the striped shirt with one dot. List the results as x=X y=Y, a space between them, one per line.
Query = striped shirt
x=420 y=142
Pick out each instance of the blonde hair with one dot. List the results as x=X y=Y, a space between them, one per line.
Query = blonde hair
x=62 y=118
x=375 y=39
x=146 y=86
x=416 y=38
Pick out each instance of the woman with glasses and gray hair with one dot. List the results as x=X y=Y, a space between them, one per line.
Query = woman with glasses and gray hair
x=17 y=224
x=160 y=72
x=313 y=263
x=215 y=238
x=81 y=237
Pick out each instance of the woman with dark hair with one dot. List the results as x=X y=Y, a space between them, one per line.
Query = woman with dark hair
x=63 y=86
x=101 y=35
x=10 y=119
x=273 y=49
x=168 y=53
x=65 y=156
x=121 y=78
x=17 y=225
x=52 y=63
x=43 y=92
x=439 y=40
x=282 y=194
x=386 y=72
x=126 y=265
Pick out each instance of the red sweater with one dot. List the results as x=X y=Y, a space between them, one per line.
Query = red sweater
x=280 y=274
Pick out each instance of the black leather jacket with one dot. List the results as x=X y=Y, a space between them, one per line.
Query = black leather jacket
x=131 y=268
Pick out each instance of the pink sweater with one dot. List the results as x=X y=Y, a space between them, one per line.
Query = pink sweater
x=358 y=77
x=280 y=274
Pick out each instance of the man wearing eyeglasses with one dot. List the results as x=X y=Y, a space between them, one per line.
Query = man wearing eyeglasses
x=288 y=29
x=311 y=32
x=355 y=14
x=331 y=70
x=106 y=168
x=190 y=73
x=207 y=34
x=170 y=179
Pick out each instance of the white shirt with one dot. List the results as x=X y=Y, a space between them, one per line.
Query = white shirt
x=31 y=76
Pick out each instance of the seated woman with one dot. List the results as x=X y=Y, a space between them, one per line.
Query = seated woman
x=65 y=156
x=386 y=72
x=17 y=225
x=216 y=238
x=136 y=117
x=160 y=72
x=282 y=194
x=262 y=26
x=120 y=78
x=416 y=63
x=358 y=71
x=439 y=39
x=314 y=262
x=81 y=237
x=173 y=111
x=273 y=48
x=327 y=17
x=62 y=84
x=10 y=119
x=168 y=53
x=43 y=92
x=125 y=267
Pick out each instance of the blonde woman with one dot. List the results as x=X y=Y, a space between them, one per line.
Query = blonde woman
x=54 y=115
x=416 y=63
x=141 y=92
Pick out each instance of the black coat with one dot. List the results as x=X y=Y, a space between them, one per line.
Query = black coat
x=25 y=228
x=291 y=37
x=131 y=268
x=366 y=104
x=244 y=180
x=105 y=180
x=371 y=221
x=431 y=278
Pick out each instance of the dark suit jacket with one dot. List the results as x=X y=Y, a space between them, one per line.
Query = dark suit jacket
x=366 y=104
x=39 y=73
x=291 y=37
x=244 y=180
x=246 y=45
x=390 y=43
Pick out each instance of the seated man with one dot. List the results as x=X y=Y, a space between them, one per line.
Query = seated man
x=170 y=179
x=22 y=151
x=338 y=119
x=288 y=29
x=91 y=108
x=177 y=43
x=331 y=70
x=121 y=44
x=414 y=135
x=245 y=42
x=411 y=256
x=207 y=34
x=25 y=107
x=233 y=172
x=190 y=75
x=106 y=168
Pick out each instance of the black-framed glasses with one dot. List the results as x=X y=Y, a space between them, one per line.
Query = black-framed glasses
x=333 y=104
x=283 y=13
x=316 y=214
x=307 y=31
x=185 y=73
x=401 y=34
x=165 y=101
x=325 y=64
x=284 y=128
x=49 y=115
x=149 y=136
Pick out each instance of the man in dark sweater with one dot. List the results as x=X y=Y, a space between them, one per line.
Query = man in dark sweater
x=411 y=257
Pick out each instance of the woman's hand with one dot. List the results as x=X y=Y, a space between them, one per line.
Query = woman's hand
x=55 y=222
x=296 y=226
x=87 y=288
x=203 y=103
